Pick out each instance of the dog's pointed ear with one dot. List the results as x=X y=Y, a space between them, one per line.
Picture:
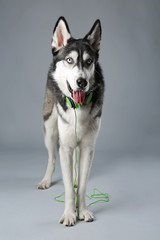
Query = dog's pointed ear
x=61 y=34
x=94 y=35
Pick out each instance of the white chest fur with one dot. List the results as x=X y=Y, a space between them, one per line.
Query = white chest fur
x=87 y=128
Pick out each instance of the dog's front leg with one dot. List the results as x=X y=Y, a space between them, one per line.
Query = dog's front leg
x=86 y=156
x=69 y=216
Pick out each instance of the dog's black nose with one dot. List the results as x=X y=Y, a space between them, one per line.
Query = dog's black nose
x=81 y=82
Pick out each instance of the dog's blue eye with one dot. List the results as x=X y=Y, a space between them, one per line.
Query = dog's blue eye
x=89 y=61
x=69 y=60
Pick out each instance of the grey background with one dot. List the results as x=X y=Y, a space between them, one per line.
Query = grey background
x=128 y=146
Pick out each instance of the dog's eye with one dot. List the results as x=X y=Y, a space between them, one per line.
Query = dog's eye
x=89 y=61
x=69 y=60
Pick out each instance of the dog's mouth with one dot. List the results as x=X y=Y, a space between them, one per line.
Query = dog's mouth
x=78 y=96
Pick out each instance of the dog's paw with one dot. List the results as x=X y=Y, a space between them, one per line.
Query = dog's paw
x=86 y=215
x=44 y=184
x=68 y=219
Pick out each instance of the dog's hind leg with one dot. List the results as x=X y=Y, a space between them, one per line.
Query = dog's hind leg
x=51 y=138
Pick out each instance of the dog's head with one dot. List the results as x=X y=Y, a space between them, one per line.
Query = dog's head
x=74 y=60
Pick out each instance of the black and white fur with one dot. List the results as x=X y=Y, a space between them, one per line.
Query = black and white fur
x=73 y=59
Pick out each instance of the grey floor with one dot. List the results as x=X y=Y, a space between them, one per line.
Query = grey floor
x=132 y=181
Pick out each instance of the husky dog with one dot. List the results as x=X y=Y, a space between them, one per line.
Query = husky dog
x=76 y=74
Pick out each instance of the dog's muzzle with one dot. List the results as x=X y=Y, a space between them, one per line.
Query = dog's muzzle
x=78 y=95
x=82 y=83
